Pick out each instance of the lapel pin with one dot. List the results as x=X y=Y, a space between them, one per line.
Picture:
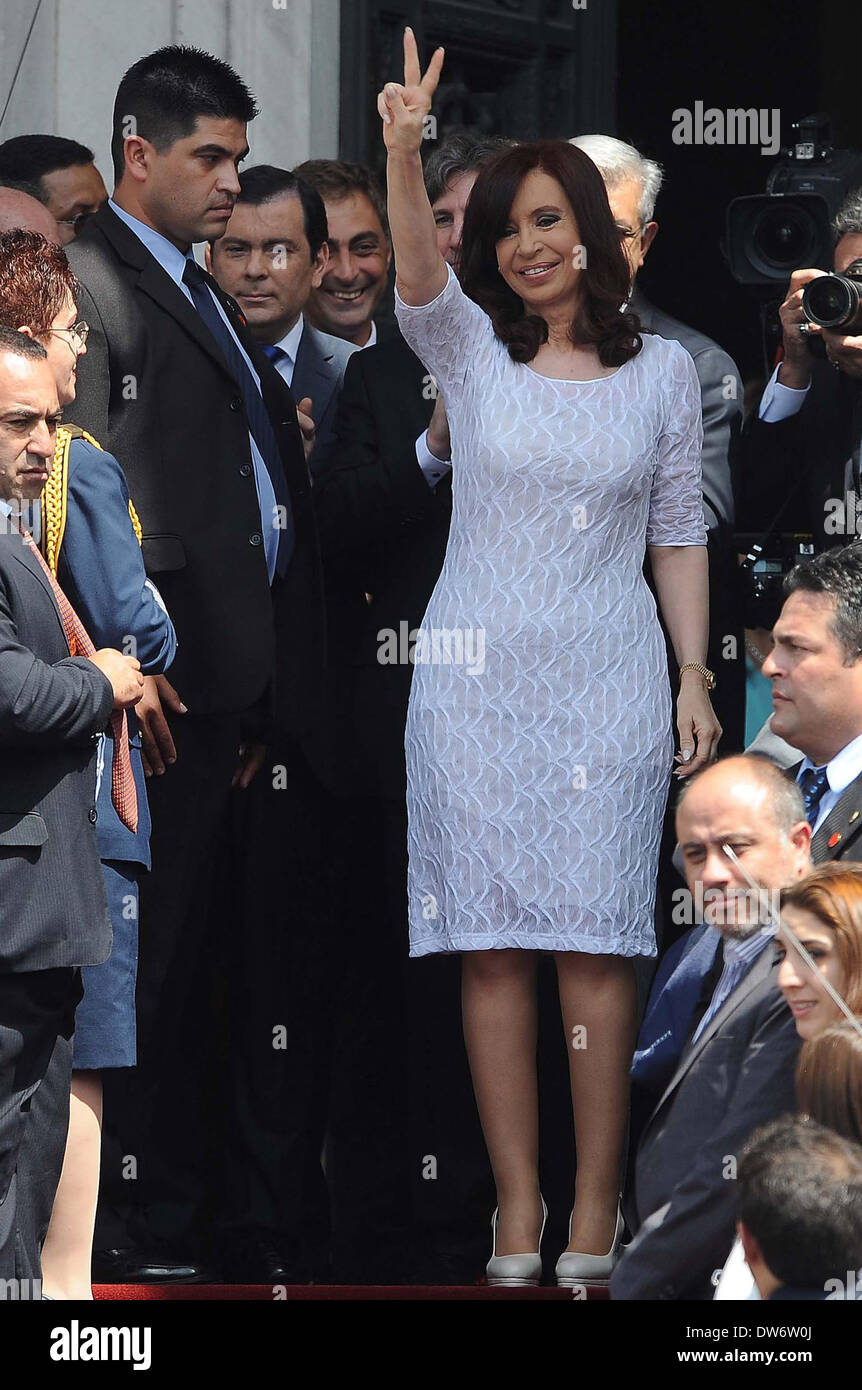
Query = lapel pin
x=833 y=840
x=855 y=816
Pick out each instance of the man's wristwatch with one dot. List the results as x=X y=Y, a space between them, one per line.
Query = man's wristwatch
x=708 y=676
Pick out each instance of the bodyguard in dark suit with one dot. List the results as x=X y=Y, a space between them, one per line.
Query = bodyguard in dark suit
x=207 y=432
x=53 y=914
x=716 y=1057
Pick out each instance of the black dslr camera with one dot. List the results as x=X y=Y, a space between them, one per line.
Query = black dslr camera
x=833 y=301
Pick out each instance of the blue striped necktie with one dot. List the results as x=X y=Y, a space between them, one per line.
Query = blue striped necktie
x=813 y=783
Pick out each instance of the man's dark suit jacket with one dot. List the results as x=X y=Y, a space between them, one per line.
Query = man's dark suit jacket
x=838 y=837
x=802 y=461
x=738 y=1074
x=319 y=373
x=155 y=390
x=383 y=533
x=52 y=706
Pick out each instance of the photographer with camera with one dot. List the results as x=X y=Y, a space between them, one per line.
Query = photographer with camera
x=800 y=459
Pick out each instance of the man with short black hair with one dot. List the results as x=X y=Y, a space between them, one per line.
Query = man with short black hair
x=207 y=432
x=272 y=258
x=800 y=1209
x=58 y=172
x=815 y=666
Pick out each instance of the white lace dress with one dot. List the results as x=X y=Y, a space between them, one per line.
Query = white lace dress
x=539 y=734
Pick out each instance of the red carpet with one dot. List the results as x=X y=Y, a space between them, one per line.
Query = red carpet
x=329 y=1292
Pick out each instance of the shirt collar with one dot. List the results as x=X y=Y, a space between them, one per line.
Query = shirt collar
x=290 y=342
x=169 y=257
x=745 y=950
x=843 y=768
x=373 y=339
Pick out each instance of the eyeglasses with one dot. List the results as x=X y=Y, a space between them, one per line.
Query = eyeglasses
x=78 y=331
x=629 y=233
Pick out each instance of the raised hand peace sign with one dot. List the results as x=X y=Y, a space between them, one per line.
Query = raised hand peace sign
x=403 y=108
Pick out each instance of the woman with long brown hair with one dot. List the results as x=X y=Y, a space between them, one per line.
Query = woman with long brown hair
x=539 y=735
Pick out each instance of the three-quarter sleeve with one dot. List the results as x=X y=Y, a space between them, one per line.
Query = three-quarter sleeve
x=446 y=333
x=676 y=498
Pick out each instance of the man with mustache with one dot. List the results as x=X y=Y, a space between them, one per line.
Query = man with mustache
x=208 y=434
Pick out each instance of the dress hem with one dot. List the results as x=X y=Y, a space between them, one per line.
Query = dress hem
x=456 y=945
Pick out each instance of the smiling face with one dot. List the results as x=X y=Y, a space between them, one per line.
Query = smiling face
x=809 y=1003
x=817 y=698
x=355 y=279
x=727 y=805
x=29 y=416
x=264 y=261
x=538 y=250
x=187 y=192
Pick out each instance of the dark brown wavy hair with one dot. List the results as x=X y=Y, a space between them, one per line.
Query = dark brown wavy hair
x=606 y=278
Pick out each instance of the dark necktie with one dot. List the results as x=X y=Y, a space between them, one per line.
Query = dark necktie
x=813 y=783
x=124 y=793
x=274 y=353
x=258 y=416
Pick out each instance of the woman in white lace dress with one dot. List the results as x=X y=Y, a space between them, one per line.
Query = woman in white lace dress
x=539 y=735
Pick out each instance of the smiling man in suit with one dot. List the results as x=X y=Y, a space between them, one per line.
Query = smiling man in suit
x=273 y=254
x=816 y=671
x=722 y=1061
x=208 y=434
x=54 y=702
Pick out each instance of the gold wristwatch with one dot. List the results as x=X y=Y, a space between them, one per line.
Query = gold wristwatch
x=708 y=676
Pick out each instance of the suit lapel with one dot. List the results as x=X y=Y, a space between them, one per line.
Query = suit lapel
x=24 y=557
x=313 y=374
x=841 y=826
x=755 y=976
x=158 y=285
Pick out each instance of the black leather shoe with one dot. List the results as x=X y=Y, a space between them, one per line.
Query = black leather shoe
x=144 y=1267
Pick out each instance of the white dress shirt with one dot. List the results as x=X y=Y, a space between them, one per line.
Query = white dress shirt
x=840 y=772
x=779 y=402
x=173 y=262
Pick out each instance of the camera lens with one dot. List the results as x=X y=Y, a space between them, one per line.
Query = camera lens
x=829 y=301
x=782 y=238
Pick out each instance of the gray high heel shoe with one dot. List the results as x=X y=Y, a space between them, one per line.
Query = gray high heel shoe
x=514 y=1271
x=574 y=1268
